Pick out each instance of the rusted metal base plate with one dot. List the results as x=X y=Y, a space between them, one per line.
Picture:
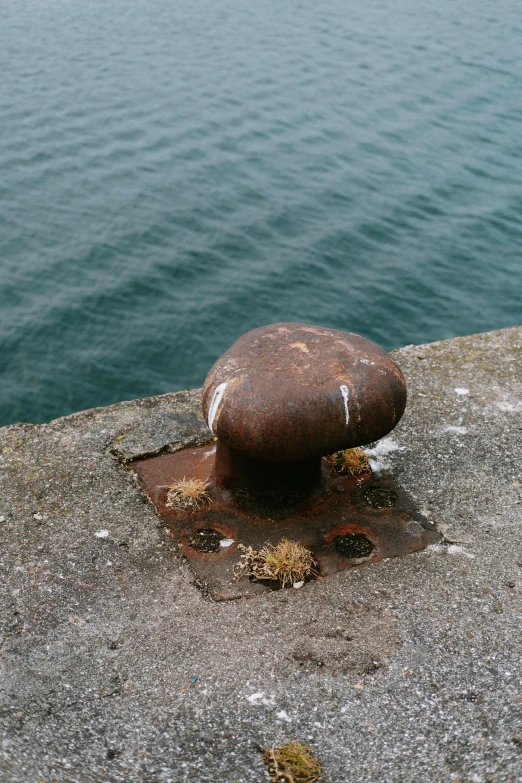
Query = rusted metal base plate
x=344 y=522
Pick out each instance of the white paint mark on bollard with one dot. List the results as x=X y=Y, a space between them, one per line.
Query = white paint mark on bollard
x=219 y=392
x=346 y=394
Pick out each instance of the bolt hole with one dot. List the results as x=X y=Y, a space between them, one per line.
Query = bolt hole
x=354 y=546
x=380 y=497
x=207 y=540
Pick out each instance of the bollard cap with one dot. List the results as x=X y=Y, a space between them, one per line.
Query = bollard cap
x=290 y=392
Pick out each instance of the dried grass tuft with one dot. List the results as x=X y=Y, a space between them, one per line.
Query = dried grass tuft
x=350 y=462
x=287 y=563
x=292 y=763
x=188 y=494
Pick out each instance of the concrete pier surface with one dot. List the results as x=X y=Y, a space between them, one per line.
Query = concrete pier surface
x=116 y=668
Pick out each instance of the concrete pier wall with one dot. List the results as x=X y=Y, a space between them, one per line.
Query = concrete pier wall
x=115 y=668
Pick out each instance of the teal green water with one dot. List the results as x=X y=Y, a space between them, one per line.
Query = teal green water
x=173 y=174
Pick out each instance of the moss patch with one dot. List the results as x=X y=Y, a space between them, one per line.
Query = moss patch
x=285 y=563
x=188 y=494
x=350 y=462
x=292 y=763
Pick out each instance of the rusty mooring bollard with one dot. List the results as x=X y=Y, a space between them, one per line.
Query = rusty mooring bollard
x=285 y=395
x=278 y=401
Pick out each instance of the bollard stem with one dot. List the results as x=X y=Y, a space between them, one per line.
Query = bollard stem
x=262 y=478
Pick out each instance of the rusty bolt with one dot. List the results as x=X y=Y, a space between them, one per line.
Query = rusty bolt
x=291 y=393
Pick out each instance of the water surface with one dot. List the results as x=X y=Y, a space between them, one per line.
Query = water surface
x=174 y=174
